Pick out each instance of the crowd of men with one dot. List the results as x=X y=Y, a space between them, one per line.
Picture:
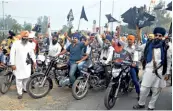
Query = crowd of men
x=155 y=54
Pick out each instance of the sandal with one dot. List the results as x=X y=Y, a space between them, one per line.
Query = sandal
x=138 y=106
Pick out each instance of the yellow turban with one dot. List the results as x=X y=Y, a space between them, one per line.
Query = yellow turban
x=151 y=36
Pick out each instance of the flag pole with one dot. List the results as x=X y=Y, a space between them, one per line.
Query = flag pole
x=79 y=24
x=112 y=13
x=100 y=19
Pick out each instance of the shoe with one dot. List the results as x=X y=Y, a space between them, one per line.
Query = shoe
x=19 y=97
x=150 y=109
x=138 y=98
x=24 y=91
x=138 y=106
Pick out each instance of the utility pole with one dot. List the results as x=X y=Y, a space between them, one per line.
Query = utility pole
x=100 y=19
x=3 y=16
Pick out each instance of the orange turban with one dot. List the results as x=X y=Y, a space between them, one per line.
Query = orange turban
x=131 y=37
x=24 y=34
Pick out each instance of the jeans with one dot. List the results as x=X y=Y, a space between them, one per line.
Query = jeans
x=80 y=65
x=133 y=73
x=73 y=68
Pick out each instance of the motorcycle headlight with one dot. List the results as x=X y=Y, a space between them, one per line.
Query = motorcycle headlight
x=39 y=62
x=115 y=72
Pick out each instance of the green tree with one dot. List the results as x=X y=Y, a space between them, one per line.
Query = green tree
x=43 y=21
x=16 y=28
x=27 y=26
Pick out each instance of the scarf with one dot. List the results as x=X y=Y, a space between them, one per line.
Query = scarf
x=148 y=51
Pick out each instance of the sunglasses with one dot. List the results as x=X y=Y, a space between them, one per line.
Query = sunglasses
x=157 y=35
x=75 y=38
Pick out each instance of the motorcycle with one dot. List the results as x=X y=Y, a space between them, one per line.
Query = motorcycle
x=120 y=82
x=41 y=83
x=42 y=62
x=93 y=77
x=7 y=80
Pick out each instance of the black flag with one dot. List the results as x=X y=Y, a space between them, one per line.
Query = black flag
x=137 y=17
x=169 y=6
x=70 y=16
x=159 y=6
x=110 y=18
x=83 y=15
x=145 y=20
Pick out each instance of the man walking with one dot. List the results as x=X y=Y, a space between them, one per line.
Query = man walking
x=20 y=59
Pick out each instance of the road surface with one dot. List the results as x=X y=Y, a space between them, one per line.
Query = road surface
x=61 y=99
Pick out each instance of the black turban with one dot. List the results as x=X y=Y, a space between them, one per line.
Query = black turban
x=159 y=30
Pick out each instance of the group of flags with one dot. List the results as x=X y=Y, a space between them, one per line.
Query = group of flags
x=70 y=16
x=134 y=16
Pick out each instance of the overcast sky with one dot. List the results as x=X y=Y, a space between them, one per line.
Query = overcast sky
x=30 y=10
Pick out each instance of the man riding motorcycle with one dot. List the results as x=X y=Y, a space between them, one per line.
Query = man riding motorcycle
x=54 y=47
x=75 y=49
x=130 y=47
x=107 y=52
x=86 y=54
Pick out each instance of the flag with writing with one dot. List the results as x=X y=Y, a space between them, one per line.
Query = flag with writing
x=70 y=16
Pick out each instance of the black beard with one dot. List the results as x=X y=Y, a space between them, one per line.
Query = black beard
x=30 y=41
x=54 y=42
x=24 y=41
x=156 y=41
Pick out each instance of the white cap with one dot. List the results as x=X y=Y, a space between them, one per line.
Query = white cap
x=31 y=34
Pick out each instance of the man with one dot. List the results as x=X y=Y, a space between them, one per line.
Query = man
x=156 y=69
x=10 y=40
x=150 y=36
x=75 y=49
x=86 y=54
x=130 y=47
x=31 y=40
x=106 y=52
x=46 y=41
x=54 y=47
x=20 y=60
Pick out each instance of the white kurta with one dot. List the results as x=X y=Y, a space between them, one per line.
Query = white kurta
x=150 y=79
x=54 y=50
x=108 y=54
x=18 y=57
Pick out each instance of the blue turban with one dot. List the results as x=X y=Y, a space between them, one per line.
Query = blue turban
x=108 y=37
x=77 y=35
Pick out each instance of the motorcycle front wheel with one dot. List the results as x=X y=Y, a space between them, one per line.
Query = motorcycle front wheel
x=35 y=88
x=6 y=84
x=110 y=99
x=80 y=89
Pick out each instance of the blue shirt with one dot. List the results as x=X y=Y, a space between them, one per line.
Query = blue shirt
x=76 y=52
x=2 y=58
